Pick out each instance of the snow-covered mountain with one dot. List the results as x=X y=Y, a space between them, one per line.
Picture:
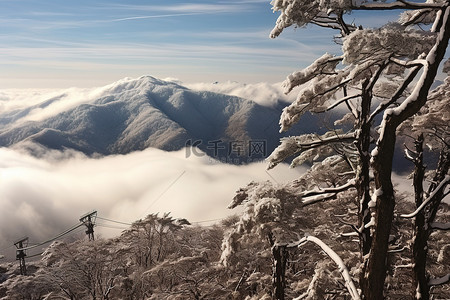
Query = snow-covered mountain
x=133 y=114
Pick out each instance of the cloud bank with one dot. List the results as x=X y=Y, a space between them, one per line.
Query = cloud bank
x=42 y=197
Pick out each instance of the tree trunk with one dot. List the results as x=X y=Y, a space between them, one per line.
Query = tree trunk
x=280 y=256
x=374 y=265
x=420 y=239
x=362 y=176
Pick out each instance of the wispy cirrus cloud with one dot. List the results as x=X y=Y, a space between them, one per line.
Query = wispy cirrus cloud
x=189 y=7
x=227 y=53
x=145 y=51
x=178 y=10
x=152 y=17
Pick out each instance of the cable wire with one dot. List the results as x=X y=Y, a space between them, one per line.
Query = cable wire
x=52 y=239
x=118 y=222
x=112 y=227
x=162 y=194
x=206 y=221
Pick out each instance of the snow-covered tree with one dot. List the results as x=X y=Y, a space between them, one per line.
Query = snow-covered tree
x=156 y=237
x=430 y=127
x=83 y=270
x=384 y=78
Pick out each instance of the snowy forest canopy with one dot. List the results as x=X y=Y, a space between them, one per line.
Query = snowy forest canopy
x=340 y=230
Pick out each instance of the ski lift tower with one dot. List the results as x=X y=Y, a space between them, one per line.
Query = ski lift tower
x=20 y=254
x=89 y=221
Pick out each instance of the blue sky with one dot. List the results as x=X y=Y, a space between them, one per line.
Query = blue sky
x=55 y=43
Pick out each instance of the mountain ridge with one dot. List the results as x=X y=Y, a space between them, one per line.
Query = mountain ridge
x=134 y=114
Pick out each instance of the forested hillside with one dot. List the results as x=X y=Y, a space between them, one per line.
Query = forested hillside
x=164 y=258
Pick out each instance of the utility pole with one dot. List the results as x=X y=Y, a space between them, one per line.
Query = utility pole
x=20 y=254
x=89 y=221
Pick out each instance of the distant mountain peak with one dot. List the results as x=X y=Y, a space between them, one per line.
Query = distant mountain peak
x=135 y=113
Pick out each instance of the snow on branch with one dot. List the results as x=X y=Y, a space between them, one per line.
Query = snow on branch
x=391 y=40
x=378 y=5
x=398 y=93
x=393 y=117
x=322 y=194
x=335 y=257
x=408 y=64
x=300 y=13
x=325 y=64
x=441 y=186
x=301 y=144
x=318 y=198
x=408 y=155
x=423 y=16
x=321 y=88
x=342 y=100
x=351 y=183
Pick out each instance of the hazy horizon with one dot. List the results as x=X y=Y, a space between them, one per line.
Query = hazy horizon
x=49 y=44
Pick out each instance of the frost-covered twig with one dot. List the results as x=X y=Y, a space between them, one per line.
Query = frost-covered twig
x=398 y=249
x=349 y=184
x=326 y=140
x=396 y=5
x=356 y=231
x=325 y=63
x=408 y=155
x=109 y=288
x=408 y=64
x=342 y=100
x=350 y=234
x=441 y=186
x=398 y=93
x=311 y=287
x=317 y=198
x=293 y=145
x=333 y=255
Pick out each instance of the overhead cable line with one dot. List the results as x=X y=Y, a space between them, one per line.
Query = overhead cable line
x=118 y=222
x=111 y=226
x=162 y=194
x=52 y=239
x=206 y=221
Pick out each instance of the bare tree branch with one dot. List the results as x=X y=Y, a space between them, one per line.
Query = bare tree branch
x=349 y=184
x=440 y=187
x=397 y=5
x=333 y=255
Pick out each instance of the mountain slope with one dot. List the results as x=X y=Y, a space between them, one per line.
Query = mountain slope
x=133 y=114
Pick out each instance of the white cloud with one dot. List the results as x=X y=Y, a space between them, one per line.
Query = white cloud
x=263 y=93
x=42 y=197
x=153 y=17
x=21 y=99
x=189 y=7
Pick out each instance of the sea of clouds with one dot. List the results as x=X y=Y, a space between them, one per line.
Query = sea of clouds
x=43 y=196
